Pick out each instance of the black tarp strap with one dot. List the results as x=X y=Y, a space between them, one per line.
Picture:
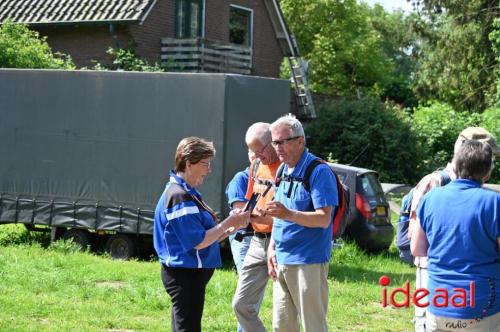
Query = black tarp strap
x=51 y=214
x=16 y=218
x=33 y=212
x=138 y=221
x=121 y=215
x=74 y=214
x=96 y=215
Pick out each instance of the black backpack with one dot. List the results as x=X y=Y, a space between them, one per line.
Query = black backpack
x=342 y=210
x=402 y=241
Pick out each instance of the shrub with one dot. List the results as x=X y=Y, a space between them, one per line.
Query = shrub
x=437 y=126
x=491 y=122
x=369 y=134
x=127 y=60
x=23 y=48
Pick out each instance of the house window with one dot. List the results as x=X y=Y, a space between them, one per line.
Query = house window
x=189 y=18
x=240 y=25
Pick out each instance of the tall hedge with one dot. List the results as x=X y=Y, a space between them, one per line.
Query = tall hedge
x=373 y=134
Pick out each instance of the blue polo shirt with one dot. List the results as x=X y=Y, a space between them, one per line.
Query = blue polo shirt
x=461 y=223
x=296 y=244
x=180 y=224
x=237 y=188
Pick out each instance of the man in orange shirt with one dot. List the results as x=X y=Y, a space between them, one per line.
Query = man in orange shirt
x=253 y=277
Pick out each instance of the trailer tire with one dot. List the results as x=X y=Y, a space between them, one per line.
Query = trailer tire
x=80 y=237
x=121 y=246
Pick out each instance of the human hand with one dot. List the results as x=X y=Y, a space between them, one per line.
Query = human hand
x=237 y=219
x=272 y=265
x=260 y=217
x=278 y=210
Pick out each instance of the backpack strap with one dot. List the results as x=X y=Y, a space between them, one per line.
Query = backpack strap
x=279 y=175
x=307 y=175
x=253 y=169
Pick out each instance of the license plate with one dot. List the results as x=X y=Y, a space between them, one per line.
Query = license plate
x=381 y=211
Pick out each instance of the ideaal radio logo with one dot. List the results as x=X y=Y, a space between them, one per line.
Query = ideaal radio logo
x=457 y=298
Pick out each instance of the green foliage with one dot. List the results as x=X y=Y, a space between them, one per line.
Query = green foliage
x=66 y=247
x=127 y=60
x=491 y=122
x=378 y=136
x=18 y=234
x=437 y=126
x=23 y=48
x=398 y=44
x=345 y=52
x=494 y=97
x=457 y=58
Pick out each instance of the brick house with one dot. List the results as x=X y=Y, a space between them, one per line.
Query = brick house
x=201 y=35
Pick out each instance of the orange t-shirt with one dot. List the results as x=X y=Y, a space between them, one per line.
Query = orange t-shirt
x=264 y=173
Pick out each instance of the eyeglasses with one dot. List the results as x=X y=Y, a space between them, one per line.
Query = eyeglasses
x=261 y=152
x=206 y=164
x=283 y=141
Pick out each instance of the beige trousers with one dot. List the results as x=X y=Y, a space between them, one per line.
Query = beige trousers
x=300 y=293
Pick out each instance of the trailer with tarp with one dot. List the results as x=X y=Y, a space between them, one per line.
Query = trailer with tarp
x=86 y=154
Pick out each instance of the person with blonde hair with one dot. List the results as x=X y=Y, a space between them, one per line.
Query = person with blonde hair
x=186 y=234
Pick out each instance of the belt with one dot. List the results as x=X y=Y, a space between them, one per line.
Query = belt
x=262 y=235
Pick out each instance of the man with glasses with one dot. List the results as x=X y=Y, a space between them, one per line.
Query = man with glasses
x=300 y=247
x=253 y=275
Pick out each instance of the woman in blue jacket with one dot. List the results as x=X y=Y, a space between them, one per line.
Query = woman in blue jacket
x=186 y=234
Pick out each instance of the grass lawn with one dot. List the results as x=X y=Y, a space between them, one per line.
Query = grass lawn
x=57 y=288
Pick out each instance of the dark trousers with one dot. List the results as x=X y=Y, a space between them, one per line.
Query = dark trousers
x=186 y=288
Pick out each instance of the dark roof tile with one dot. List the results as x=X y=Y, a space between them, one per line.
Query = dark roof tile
x=74 y=11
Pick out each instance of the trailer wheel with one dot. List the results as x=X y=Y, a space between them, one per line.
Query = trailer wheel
x=121 y=246
x=79 y=236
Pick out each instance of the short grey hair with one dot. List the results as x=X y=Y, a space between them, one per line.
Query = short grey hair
x=260 y=131
x=474 y=160
x=292 y=122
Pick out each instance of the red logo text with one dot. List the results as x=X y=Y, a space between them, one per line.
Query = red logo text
x=440 y=298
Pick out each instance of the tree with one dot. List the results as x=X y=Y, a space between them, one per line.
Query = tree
x=494 y=97
x=367 y=133
x=457 y=57
x=23 y=48
x=399 y=45
x=345 y=51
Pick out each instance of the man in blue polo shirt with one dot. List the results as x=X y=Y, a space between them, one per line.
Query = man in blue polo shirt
x=235 y=192
x=300 y=247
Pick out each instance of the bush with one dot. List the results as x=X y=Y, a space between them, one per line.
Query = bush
x=437 y=126
x=127 y=60
x=369 y=134
x=491 y=122
x=23 y=48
